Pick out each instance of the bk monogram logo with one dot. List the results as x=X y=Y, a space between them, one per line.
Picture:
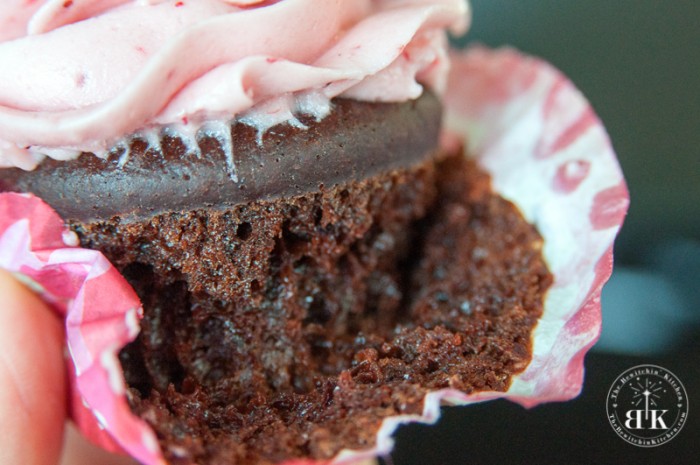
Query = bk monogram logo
x=647 y=406
x=635 y=417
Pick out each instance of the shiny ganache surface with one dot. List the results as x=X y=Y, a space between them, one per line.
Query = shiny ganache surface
x=357 y=140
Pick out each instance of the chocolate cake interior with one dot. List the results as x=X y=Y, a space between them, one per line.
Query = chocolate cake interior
x=291 y=325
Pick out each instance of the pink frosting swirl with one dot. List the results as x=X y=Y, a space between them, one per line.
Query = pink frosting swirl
x=81 y=75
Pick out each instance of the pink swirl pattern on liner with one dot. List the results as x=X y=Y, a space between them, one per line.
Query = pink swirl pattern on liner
x=502 y=129
x=570 y=175
x=506 y=138
x=106 y=69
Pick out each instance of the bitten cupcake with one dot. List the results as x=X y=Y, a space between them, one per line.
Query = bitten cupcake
x=313 y=265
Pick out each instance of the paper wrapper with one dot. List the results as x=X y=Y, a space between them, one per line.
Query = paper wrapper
x=526 y=125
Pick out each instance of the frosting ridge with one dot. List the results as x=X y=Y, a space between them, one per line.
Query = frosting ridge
x=181 y=64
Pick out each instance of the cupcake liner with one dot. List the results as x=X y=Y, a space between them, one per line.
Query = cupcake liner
x=522 y=120
x=101 y=313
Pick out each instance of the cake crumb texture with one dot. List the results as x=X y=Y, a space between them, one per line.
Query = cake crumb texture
x=292 y=327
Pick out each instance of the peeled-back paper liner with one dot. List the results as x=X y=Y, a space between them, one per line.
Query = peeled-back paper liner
x=522 y=120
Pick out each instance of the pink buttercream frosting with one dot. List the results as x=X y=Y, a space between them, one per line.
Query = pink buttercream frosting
x=86 y=75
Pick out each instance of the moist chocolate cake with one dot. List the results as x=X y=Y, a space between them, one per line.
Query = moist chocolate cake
x=351 y=269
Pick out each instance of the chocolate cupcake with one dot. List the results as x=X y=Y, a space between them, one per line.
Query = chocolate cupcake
x=352 y=269
x=309 y=259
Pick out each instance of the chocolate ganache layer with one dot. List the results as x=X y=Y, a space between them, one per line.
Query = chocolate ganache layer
x=356 y=141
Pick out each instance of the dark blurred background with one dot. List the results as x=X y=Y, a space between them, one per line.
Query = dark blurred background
x=638 y=62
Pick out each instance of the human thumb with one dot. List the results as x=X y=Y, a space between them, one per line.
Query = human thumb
x=32 y=377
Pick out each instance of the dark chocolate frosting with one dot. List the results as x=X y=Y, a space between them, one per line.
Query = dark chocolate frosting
x=356 y=141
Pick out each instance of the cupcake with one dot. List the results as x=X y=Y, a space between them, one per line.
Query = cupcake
x=314 y=257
